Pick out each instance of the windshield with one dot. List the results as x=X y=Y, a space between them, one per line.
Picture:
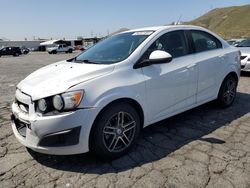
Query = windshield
x=245 y=43
x=113 y=49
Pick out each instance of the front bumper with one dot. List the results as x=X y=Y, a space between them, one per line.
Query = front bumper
x=35 y=129
x=245 y=63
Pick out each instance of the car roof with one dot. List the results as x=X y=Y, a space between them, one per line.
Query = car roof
x=158 y=28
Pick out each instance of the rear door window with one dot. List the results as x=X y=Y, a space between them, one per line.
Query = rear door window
x=204 y=41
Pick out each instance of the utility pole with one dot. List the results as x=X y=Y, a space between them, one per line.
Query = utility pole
x=179 y=20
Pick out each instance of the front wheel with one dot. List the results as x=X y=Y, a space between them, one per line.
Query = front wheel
x=227 y=92
x=115 y=131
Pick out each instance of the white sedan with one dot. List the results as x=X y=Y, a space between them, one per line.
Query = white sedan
x=244 y=47
x=100 y=100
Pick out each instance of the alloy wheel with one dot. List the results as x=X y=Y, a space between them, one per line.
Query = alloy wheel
x=230 y=91
x=119 y=132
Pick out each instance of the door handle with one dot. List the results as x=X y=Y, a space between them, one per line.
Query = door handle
x=191 y=66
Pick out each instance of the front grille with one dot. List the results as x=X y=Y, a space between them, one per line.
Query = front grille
x=20 y=126
x=242 y=57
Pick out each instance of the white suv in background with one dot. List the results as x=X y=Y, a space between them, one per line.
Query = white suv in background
x=60 y=48
x=100 y=100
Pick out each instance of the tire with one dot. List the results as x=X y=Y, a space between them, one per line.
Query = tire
x=110 y=139
x=49 y=52
x=227 y=92
x=70 y=51
x=54 y=52
x=16 y=54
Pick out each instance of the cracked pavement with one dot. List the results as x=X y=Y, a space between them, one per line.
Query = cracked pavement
x=204 y=147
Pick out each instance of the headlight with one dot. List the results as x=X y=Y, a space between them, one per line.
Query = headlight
x=65 y=101
x=58 y=102
x=72 y=99
x=42 y=105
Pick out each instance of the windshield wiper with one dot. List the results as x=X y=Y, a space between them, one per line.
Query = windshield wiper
x=71 y=60
x=85 y=61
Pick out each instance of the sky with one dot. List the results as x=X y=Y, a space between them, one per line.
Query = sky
x=72 y=18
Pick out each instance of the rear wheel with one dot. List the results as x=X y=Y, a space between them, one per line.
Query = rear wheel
x=115 y=131
x=54 y=52
x=16 y=54
x=227 y=92
x=70 y=51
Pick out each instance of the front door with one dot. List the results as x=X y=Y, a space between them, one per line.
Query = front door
x=171 y=87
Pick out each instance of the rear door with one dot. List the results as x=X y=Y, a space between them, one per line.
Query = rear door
x=210 y=60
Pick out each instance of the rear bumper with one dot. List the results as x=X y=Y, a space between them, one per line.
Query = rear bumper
x=63 y=134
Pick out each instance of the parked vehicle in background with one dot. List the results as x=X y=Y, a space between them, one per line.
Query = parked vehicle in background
x=244 y=47
x=100 y=100
x=25 y=50
x=60 y=48
x=235 y=42
x=14 y=51
x=83 y=47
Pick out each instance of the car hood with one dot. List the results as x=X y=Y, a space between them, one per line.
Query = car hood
x=58 y=77
x=244 y=50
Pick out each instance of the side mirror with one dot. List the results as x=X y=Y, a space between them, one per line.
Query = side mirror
x=159 y=56
x=156 y=57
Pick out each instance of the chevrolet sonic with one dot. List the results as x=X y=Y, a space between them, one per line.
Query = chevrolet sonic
x=100 y=100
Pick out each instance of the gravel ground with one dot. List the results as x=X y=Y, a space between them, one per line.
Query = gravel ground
x=204 y=147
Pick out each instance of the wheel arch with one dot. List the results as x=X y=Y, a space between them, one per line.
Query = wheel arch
x=232 y=73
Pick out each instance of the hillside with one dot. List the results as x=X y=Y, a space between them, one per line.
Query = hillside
x=230 y=22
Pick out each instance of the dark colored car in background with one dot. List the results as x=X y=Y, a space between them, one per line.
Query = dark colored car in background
x=15 y=51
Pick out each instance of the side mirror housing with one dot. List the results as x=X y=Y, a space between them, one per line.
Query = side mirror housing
x=156 y=57
x=160 y=56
